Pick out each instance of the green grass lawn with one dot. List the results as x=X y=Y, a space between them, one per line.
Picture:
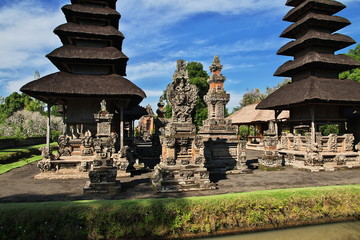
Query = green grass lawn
x=18 y=157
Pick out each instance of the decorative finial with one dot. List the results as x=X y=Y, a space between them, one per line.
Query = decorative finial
x=36 y=75
x=103 y=106
x=216 y=65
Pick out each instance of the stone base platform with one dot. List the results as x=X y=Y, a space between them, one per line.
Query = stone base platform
x=323 y=161
x=72 y=167
x=181 y=179
x=102 y=188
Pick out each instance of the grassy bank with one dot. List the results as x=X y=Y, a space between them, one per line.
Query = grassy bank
x=172 y=218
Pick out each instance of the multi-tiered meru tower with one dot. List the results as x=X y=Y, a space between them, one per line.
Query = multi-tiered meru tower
x=316 y=96
x=92 y=69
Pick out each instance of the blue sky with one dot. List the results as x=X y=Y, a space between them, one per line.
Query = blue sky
x=244 y=33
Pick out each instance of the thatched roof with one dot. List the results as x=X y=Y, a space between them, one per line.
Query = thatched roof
x=62 y=84
x=250 y=115
x=109 y=3
x=313 y=90
x=311 y=20
x=72 y=11
x=317 y=60
x=91 y=53
x=88 y=30
x=312 y=38
x=327 y=7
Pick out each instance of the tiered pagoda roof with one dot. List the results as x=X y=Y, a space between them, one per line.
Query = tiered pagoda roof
x=315 y=68
x=91 y=61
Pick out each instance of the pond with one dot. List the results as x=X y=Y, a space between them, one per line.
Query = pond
x=336 y=231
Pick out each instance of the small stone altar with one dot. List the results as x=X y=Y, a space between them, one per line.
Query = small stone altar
x=103 y=172
x=224 y=152
x=181 y=166
x=271 y=158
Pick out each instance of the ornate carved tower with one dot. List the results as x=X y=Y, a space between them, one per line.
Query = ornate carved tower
x=182 y=160
x=223 y=151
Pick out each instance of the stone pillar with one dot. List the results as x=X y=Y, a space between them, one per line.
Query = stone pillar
x=121 y=127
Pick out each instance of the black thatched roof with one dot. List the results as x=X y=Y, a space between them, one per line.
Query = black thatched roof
x=88 y=30
x=319 y=61
x=311 y=20
x=62 y=85
x=75 y=52
x=313 y=90
x=294 y=3
x=73 y=11
x=312 y=38
x=327 y=7
x=109 y=3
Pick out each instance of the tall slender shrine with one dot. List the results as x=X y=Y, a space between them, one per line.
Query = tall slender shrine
x=316 y=96
x=223 y=151
x=90 y=84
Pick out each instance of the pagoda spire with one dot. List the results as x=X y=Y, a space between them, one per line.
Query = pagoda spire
x=315 y=42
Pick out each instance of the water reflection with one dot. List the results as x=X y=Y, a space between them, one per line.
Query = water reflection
x=337 y=231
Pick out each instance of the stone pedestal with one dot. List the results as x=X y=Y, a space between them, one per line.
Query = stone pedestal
x=271 y=160
x=182 y=163
x=102 y=177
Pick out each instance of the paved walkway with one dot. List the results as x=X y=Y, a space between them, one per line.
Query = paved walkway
x=19 y=185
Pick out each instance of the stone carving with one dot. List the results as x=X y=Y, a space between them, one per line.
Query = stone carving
x=87 y=143
x=297 y=143
x=44 y=165
x=184 y=146
x=103 y=106
x=349 y=142
x=187 y=175
x=340 y=159
x=284 y=141
x=64 y=147
x=332 y=143
x=181 y=94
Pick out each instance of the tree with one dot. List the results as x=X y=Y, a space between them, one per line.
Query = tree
x=256 y=96
x=251 y=97
x=198 y=77
x=353 y=74
x=16 y=102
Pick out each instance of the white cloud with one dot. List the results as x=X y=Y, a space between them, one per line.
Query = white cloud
x=150 y=70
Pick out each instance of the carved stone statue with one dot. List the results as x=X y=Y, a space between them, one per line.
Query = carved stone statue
x=181 y=94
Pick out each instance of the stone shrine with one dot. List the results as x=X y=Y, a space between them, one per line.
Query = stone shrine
x=224 y=152
x=103 y=170
x=181 y=166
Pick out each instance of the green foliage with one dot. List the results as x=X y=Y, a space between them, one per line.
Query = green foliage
x=16 y=102
x=198 y=77
x=353 y=74
x=329 y=129
x=15 y=154
x=256 y=96
x=245 y=131
x=251 y=97
x=178 y=217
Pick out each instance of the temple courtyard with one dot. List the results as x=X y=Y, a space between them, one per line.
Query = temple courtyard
x=19 y=184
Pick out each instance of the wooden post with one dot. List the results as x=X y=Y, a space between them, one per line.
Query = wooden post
x=48 y=130
x=313 y=130
x=121 y=127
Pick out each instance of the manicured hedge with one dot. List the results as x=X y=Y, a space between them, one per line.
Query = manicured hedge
x=178 y=218
x=13 y=155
